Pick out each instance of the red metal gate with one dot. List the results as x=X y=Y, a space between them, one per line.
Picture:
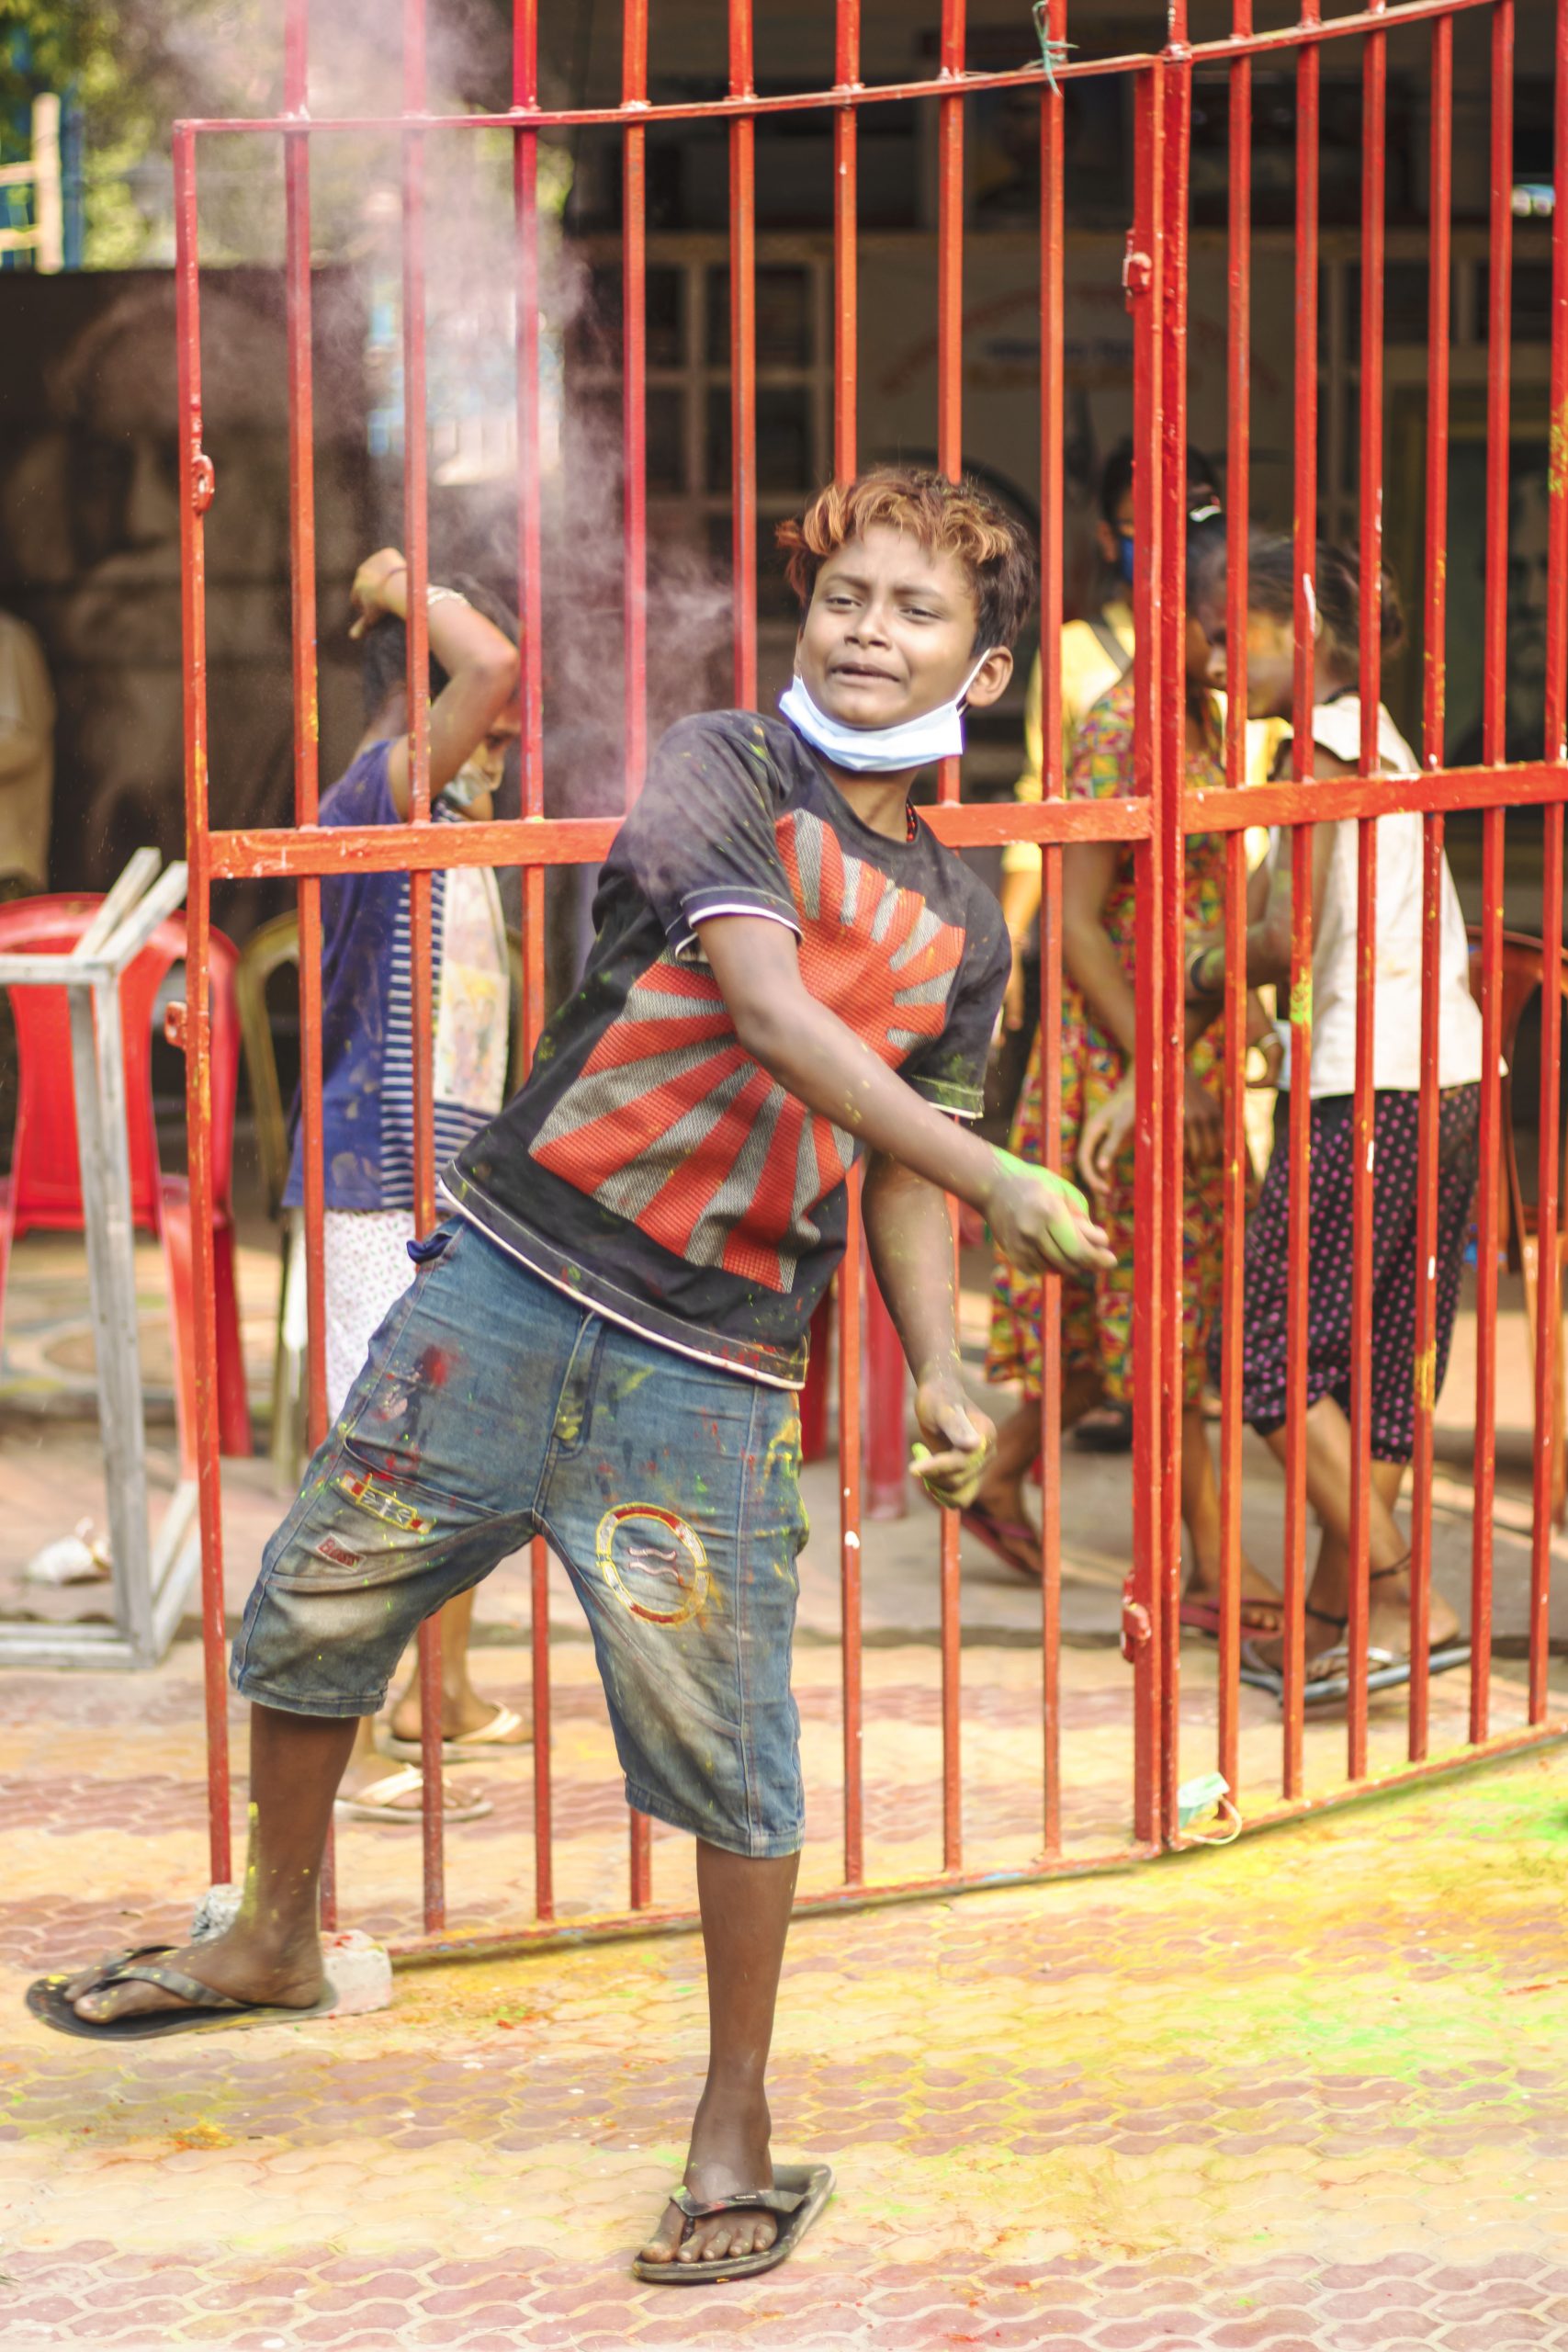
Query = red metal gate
x=1155 y=822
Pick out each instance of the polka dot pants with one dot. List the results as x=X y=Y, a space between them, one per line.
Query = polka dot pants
x=1329 y=1326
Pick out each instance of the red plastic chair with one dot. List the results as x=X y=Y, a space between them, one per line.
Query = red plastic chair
x=43 y=1190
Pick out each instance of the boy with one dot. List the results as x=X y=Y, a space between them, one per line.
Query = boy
x=789 y=971
x=368 y=1056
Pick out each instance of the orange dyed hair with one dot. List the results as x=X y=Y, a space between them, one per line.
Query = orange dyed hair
x=945 y=517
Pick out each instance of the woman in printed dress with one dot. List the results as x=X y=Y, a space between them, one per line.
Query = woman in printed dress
x=1098 y=1029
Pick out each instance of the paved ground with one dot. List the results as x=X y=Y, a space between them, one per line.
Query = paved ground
x=1307 y=2091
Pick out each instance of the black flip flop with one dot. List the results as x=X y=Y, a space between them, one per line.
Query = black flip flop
x=208 y=2012
x=799 y=2194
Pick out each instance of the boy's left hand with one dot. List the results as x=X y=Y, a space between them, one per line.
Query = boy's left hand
x=960 y=1440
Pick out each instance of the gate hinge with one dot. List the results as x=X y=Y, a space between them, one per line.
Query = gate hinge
x=203 y=482
x=1137 y=272
x=174 y=1026
x=1137 y=1627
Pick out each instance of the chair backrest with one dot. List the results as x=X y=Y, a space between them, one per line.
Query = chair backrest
x=45 y=1173
x=274 y=945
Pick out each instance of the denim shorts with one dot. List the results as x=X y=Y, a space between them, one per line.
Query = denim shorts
x=492 y=1407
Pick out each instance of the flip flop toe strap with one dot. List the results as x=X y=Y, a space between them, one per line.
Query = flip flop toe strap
x=175 y=1981
x=768 y=2201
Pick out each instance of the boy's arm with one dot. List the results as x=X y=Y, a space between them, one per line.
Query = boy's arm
x=910 y=1240
x=480 y=665
x=821 y=1061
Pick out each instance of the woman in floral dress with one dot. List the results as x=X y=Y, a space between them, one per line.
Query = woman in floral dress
x=1098 y=1023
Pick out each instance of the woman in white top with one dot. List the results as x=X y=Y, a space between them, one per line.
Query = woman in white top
x=1398 y=1078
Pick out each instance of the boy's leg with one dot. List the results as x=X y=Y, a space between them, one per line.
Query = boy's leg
x=673 y=1494
x=745 y=1907
x=273 y=1951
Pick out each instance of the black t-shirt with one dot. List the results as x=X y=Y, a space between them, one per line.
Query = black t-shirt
x=649 y=1165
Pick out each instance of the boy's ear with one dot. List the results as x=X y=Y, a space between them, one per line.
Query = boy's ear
x=990 y=680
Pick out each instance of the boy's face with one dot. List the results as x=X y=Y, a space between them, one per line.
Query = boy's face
x=890 y=634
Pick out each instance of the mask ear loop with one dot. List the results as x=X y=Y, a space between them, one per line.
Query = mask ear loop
x=962 y=697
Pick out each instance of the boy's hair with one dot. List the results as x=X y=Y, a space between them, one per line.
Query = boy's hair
x=945 y=517
x=385 y=648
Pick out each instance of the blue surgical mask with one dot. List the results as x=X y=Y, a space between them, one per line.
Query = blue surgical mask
x=1124 y=555
x=880 y=750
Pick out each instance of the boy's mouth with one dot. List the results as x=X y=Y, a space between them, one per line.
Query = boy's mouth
x=863 y=670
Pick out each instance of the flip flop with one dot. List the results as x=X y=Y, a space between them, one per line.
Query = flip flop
x=1007 y=1538
x=1104 y=1429
x=380 y=1802
x=497 y=1732
x=799 y=2194
x=209 y=2011
x=1203 y=1617
x=1386 y=1670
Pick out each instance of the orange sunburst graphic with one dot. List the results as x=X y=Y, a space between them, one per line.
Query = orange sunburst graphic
x=672 y=1125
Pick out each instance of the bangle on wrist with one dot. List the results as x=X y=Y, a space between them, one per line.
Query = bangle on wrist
x=439 y=595
x=1196 y=983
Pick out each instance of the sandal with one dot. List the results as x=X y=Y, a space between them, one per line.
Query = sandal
x=499 y=1732
x=146 y=1964
x=380 y=1802
x=799 y=2194
x=1262 y=1617
x=1012 y=1540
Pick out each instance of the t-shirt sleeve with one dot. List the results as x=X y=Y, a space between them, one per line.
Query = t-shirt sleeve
x=363 y=794
x=700 y=841
x=951 y=1072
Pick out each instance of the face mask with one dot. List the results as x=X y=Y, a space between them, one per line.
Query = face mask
x=880 y=750
x=471 y=784
x=1124 y=555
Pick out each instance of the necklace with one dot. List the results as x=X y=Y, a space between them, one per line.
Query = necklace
x=911 y=823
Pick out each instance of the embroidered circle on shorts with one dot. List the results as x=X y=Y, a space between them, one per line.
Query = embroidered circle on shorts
x=653 y=1563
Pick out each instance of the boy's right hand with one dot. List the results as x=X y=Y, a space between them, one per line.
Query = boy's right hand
x=380 y=586
x=1041 y=1223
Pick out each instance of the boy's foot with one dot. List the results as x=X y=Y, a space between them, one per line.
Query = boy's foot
x=729 y=2155
x=235 y=1963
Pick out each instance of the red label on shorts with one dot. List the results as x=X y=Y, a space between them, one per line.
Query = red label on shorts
x=331 y=1549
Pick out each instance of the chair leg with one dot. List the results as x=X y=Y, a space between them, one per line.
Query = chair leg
x=234 y=1434
x=8 y=1220
x=173 y=1221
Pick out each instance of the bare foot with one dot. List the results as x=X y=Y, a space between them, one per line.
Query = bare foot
x=463 y=1713
x=728 y=2154
x=237 y=1963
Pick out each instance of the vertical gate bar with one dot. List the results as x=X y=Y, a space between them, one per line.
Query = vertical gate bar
x=1493 y=751
x=743 y=352
x=852 y=1327
x=1435 y=623
x=950 y=458
x=1308 y=79
x=1549 y=1268
x=1375 y=120
x=1168 y=996
x=1052 y=390
x=1238 y=438
x=852 y=1273
x=1144 y=274
x=194 y=488
x=417 y=545
x=634 y=387
x=846 y=205
x=306 y=742
x=531 y=754
x=1548 y=1272
x=634 y=461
